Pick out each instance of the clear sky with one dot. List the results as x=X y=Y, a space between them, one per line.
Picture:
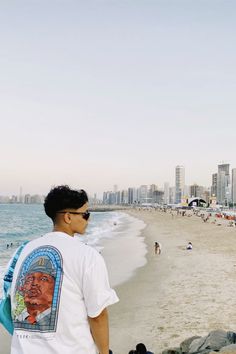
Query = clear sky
x=97 y=93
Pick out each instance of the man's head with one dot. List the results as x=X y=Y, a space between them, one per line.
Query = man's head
x=68 y=209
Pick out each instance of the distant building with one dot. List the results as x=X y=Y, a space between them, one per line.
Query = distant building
x=152 y=189
x=223 y=182
x=36 y=199
x=214 y=185
x=179 y=183
x=131 y=195
x=172 y=195
x=4 y=199
x=27 y=199
x=166 y=193
x=124 y=197
x=143 y=194
x=196 y=191
x=233 y=185
x=158 y=197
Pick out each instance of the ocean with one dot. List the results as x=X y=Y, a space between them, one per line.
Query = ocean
x=20 y=222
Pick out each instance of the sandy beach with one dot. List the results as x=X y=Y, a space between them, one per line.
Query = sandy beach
x=176 y=294
x=179 y=293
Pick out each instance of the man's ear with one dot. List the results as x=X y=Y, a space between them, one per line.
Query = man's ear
x=67 y=218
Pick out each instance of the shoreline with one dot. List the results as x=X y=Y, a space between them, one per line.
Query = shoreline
x=122 y=265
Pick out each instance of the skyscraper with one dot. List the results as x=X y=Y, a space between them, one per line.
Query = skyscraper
x=166 y=193
x=214 y=185
x=223 y=182
x=234 y=186
x=179 y=183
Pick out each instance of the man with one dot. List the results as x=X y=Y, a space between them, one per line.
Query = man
x=60 y=289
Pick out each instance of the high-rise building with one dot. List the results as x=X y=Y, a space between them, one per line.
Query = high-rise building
x=214 y=185
x=143 y=194
x=131 y=195
x=172 y=195
x=223 y=182
x=179 y=183
x=221 y=187
x=233 y=186
x=224 y=167
x=166 y=193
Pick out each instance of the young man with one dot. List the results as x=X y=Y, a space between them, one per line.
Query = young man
x=60 y=289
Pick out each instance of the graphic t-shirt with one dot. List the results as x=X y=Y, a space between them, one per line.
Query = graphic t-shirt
x=58 y=282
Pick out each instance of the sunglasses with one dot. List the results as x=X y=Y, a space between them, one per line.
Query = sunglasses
x=85 y=215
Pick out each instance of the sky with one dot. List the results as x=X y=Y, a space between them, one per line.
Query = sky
x=105 y=92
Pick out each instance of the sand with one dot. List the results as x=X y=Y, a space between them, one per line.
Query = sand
x=179 y=293
x=176 y=294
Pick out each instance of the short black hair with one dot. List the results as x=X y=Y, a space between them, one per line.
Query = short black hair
x=63 y=197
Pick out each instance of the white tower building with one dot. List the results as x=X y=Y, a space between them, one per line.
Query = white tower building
x=179 y=183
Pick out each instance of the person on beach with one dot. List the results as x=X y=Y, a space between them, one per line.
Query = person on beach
x=189 y=246
x=141 y=349
x=157 y=248
x=60 y=289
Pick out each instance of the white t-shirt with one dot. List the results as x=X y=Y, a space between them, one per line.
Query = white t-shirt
x=58 y=282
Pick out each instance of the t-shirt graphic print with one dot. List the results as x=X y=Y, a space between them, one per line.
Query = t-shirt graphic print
x=37 y=291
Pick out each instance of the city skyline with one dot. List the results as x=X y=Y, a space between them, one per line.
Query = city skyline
x=101 y=93
x=179 y=187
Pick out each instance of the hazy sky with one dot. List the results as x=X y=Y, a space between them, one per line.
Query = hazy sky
x=97 y=93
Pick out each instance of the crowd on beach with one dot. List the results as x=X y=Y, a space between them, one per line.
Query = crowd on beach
x=214 y=217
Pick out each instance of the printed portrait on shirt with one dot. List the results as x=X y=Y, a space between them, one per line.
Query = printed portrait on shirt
x=37 y=291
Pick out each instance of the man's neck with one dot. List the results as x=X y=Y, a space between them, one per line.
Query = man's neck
x=58 y=228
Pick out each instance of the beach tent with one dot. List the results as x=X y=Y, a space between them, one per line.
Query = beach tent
x=196 y=201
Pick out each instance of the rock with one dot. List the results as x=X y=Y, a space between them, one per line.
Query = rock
x=229 y=349
x=184 y=346
x=215 y=340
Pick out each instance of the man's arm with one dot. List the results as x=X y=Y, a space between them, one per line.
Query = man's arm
x=100 y=331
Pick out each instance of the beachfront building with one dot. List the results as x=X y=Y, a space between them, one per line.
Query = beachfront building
x=233 y=186
x=223 y=184
x=179 y=183
x=152 y=189
x=214 y=185
x=166 y=193
x=194 y=190
x=130 y=195
x=158 y=197
x=143 y=194
x=124 y=197
x=172 y=195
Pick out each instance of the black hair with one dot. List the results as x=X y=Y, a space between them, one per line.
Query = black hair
x=62 y=197
x=141 y=349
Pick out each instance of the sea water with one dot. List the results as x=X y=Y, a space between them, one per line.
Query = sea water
x=21 y=222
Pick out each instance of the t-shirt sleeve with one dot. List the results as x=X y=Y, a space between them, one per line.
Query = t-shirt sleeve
x=96 y=288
